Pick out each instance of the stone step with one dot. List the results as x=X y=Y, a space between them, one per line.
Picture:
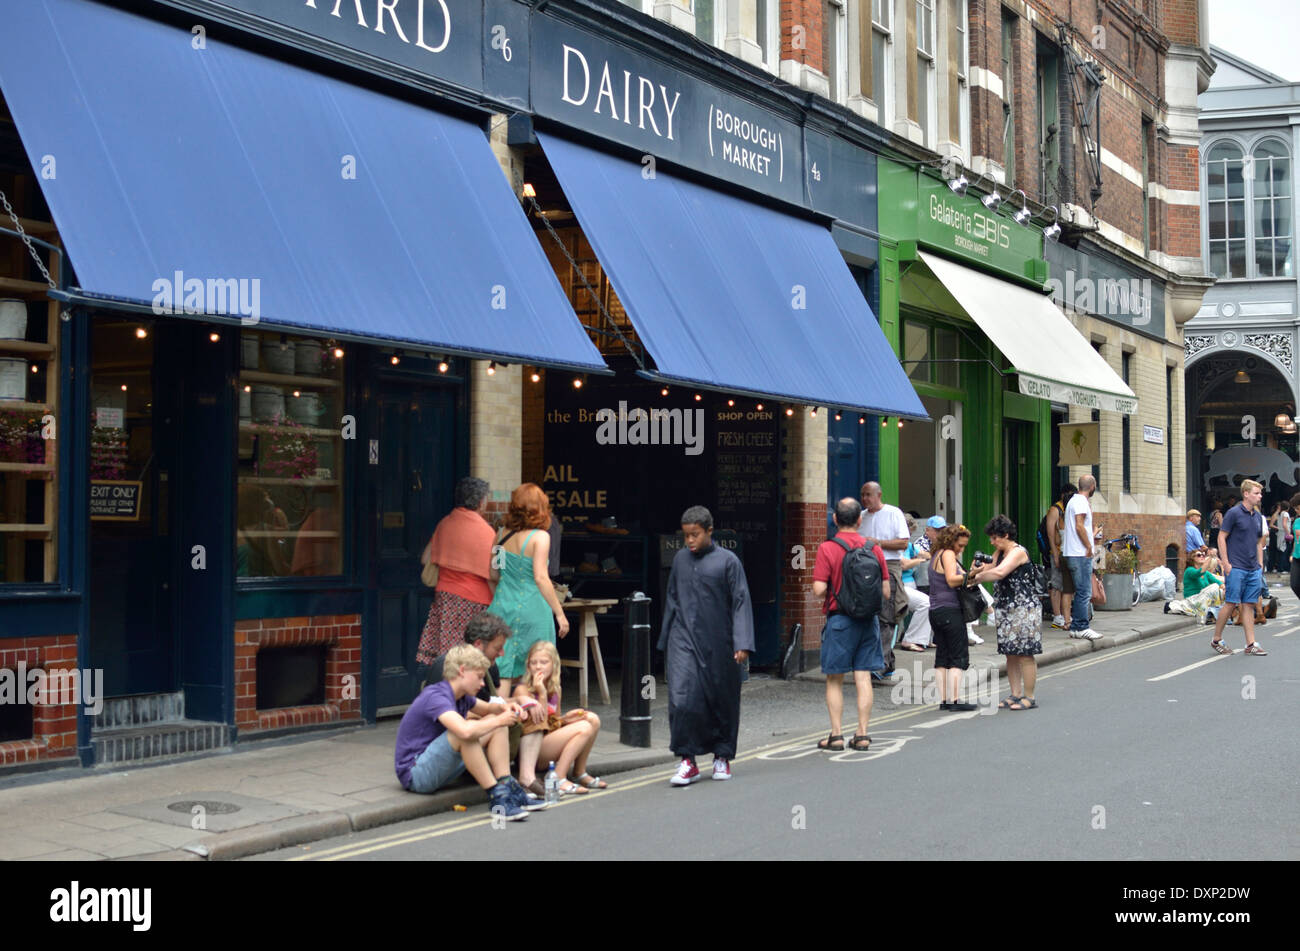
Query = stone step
x=141 y=710
x=158 y=741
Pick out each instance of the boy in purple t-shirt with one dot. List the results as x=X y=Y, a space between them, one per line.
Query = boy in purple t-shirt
x=436 y=743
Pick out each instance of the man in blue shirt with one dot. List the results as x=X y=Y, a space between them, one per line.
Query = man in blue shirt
x=1193 y=531
x=1242 y=538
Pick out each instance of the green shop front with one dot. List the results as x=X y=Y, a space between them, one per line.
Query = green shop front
x=962 y=302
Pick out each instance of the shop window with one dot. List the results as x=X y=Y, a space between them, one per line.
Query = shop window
x=1008 y=97
x=17 y=718
x=945 y=355
x=916 y=351
x=834 y=49
x=961 y=15
x=1169 y=429
x=29 y=381
x=706 y=21
x=290 y=472
x=1126 y=366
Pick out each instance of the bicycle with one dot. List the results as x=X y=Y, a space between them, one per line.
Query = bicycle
x=1128 y=542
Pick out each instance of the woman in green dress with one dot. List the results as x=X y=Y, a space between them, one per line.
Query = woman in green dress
x=524 y=598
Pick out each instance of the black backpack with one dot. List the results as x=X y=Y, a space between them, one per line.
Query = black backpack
x=860 y=591
x=1044 y=545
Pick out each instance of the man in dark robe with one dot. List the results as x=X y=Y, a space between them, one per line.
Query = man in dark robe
x=708 y=633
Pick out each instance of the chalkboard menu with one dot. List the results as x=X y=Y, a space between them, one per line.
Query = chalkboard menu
x=746 y=469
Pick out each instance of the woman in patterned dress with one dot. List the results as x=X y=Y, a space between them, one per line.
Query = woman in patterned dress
x=1019 y=611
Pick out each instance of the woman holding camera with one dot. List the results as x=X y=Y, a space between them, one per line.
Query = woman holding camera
x=1019 y=612
x=952 y=653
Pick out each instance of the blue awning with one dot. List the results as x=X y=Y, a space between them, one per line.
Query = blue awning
x=357 y=214
x=731 y=295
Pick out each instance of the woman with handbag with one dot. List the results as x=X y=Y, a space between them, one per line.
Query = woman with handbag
x=1019 y=613
x=952 y=652
x=548 y=735
x=457 y=565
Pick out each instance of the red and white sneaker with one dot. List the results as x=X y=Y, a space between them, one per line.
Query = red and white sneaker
x=687 y=772
x=721 y=768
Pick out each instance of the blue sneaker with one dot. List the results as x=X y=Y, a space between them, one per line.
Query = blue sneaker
x=504 y=804
x=524 y=798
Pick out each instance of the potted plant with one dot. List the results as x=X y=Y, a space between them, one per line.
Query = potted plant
x=1117 y=580
x=20 y=437
x=289 y=452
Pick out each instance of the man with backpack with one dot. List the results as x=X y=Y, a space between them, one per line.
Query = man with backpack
x=853 y=580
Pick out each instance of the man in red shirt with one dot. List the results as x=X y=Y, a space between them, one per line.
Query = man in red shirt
x=848 y=644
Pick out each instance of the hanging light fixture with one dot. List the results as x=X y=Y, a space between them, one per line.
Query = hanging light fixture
x=1281 y=420
x=1053 y=231
x=992 y=200
x=960 y=183
x=1241 y=377
x=491 y=368
x=1024 y=214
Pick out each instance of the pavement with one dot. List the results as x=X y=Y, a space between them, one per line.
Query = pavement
x=268 y=795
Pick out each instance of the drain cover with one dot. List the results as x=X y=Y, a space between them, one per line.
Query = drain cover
x=209 y=806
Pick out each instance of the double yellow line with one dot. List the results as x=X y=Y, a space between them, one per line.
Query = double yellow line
x=459 y=825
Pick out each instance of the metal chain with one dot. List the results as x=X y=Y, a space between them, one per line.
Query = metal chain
x=577 y=269
x=63 y=312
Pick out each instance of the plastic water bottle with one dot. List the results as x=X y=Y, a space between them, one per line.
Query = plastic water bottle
x=552 y=786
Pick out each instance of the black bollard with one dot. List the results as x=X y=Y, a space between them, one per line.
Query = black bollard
x=638 y=680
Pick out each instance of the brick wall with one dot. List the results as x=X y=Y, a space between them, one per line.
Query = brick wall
x=803 y=524
x=801 y=24
x=342 y=637
x=495 y=426
x=54 y=723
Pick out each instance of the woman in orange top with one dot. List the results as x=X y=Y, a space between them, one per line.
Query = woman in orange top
x=461 y=547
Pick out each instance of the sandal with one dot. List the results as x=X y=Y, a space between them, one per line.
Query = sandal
x=1256 y=650
x=536 y=788
x=911 y=647
x=588 y=781
x=568 y=788
x=1221 y=647
x=857 y=743
x=1008 y=701
x=1025 y=703
x=833 y=743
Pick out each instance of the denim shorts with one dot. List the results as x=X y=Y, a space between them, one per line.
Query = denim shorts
x=438 y=765
x=1244 y=586
x=849 y=644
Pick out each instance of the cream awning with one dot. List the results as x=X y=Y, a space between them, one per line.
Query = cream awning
x=1053 y=360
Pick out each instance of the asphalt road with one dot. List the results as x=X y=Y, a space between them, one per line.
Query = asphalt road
x=1160 y=749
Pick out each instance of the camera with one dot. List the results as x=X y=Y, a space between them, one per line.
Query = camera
x=982 y=559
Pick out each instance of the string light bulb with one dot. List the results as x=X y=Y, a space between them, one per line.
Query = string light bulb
x=535 y=377
x=141 y=332
x=813 y=412
x=731 y=402
x=394 y=359
x=900 y=424
x=861 y=420
x=837 y=417
x=789 y=411
x=698 y=397
x=214 y=336
x=759 y=407
x=492 y=368
x=442 y=366
x=664 y=391
x=577 y=382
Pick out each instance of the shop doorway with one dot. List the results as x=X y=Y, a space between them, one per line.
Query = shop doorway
x=929 y=462
x=134 y=407
x=412 y=464
x=1018 y=490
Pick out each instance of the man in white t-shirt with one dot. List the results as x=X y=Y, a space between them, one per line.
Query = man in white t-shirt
x=886 y=526
x=1076 y=552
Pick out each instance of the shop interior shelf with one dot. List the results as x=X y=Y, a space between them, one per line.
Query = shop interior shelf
x=26 y=347
x=13 y=287
x=20 y=529
x=269 y=480
x=33 y=470
x=272 y=428
x=23 y=407
x=261 y=376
